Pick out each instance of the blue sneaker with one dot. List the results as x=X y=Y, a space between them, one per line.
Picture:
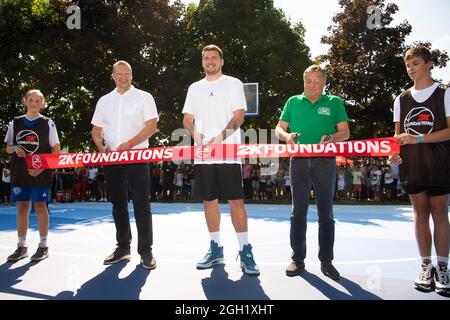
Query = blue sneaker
x=213 y=257
x=248 y=264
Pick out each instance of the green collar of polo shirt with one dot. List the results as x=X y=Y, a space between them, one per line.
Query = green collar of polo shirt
x=313 y=126
x=323 y=97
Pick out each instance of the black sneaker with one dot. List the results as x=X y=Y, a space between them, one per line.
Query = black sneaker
x=148 y=261
x=118 y=255
x=20 y=253
x=41 y=254
x=330 y=271
x=294 y=268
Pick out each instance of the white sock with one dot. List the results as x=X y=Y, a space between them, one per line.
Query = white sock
x=215 y=236
x=43 y=242
x=242 y=239
x=22 y=242
x=442 y=260
x=426 y=260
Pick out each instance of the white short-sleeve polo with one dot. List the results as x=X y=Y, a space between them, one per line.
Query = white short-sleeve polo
x=122 y=116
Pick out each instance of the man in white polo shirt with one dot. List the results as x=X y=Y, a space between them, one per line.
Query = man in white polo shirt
x=213 y=112
x=124 y=119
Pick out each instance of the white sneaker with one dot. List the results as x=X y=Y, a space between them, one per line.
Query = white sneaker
x=425 y=279
x=441 y=277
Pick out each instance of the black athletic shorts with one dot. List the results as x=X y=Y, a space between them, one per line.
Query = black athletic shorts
x=218 y=181
x=432 y=191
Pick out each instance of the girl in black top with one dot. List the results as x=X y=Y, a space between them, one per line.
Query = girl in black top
x=31 y=134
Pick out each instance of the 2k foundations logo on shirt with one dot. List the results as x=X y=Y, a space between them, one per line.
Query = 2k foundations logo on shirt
x=419 y=120
x=324 y=111
x=28 y=140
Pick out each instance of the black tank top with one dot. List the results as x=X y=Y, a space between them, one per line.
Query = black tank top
x=425 y=164
x=34 y=140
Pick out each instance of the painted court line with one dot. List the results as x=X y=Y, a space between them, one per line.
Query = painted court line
x=355 y=262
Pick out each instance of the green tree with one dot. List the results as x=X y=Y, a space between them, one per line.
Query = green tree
x=73 y=67
x=260 y=45
x=22 y=24
x=366 y=65
x=161 y=40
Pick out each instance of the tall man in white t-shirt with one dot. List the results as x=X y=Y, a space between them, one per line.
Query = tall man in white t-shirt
x=124 y=119
x=213 y=112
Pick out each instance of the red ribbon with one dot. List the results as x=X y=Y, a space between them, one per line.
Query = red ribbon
x=357 y=148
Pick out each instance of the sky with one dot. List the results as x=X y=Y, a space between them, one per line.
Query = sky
x=429 y=20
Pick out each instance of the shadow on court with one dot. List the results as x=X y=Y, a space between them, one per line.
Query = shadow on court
x=361 y=215
x=354 y=290
x=108 y=286
x=219 y=287
x=64 y=215
x=11 y=277
x=355 y=214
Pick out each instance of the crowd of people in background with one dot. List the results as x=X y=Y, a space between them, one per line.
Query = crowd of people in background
x=366 y=180
x=376 y=181
x=5 y=187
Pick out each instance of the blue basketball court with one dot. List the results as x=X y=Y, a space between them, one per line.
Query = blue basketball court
x=375 y=251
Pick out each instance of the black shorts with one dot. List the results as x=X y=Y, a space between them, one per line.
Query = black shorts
x=432 y=191
x=218 y=181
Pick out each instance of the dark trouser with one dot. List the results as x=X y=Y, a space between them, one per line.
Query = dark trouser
x=394 y=190
x=136 y=178
x=167 y=186
x=321 y=174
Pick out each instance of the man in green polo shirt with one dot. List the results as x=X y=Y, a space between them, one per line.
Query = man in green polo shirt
x=313 y=117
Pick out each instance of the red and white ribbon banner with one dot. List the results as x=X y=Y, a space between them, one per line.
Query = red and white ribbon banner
x=358 y=148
